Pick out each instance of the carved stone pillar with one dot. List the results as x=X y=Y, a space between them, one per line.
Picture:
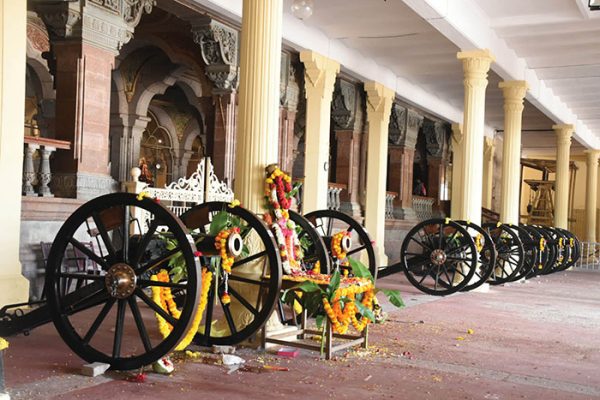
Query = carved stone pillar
x=219 y=49
x=403 y=131
x=343 y=112
x=320 y=73
x=85 y=37
x=126 y=136
x=489 y=148
x=379 y=105
x=435 y=138
x=590 y=194
x=457 y=170
x=289 y=97
x=561 y=194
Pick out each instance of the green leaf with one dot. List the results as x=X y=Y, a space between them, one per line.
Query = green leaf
x=394 y=297
x=359 y=269
x=320 y=319
x=219 y=223
x=364 y=311
x=307 y=287
x=334 y=284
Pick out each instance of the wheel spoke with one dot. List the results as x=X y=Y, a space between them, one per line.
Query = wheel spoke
x=243 y=301
x=441 y=233
x=427 y=274
x=228 y=317
x=80 y=276
x=119 y=328
x=356 y=250
x=80 y=295
x=157 y=309
x=209 y=311
x=139 y=322
x=144 y=243
x=249 y=259
x=155 y=263
x=98 y=321
x=425 y=247
x=90 y=254
x=104 y=234
x=146 y=283
x=246 y=280
x=126 y=234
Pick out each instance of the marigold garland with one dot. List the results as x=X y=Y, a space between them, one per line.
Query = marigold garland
x=164 y=298
x=342 y=318
x=226 y=259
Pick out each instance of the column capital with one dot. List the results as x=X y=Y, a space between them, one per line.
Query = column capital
x=219 y=49
x=563 y=133
x=592 y=155
x=457 y=133
x=476 y=64
x=514 y=93
x=319 y=72
x=379 y=102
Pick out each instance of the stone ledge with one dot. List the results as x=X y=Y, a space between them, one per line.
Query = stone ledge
x=48 y=208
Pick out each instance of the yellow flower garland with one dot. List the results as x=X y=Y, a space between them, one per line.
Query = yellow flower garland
x=341 y=318
x=164 y=298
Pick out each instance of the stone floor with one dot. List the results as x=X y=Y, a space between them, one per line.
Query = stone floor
x=534 y=340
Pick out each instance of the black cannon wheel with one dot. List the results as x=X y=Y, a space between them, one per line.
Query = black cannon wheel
x=314 y=247
x=487 y=255
x=439 y=257
x=329 y=222
x=102 y=308
x=254 y=283
x=510 y=252
x=573 y=249
x=531 y=249
x=557 y=241
x=544 y=252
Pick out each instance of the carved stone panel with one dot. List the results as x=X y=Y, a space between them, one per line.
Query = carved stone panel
x=343 y=105
x=435 y=135
x=397 y=126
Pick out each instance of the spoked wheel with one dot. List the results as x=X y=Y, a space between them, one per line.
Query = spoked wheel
x=439 y=257
x=312 y=244
x=572 y=247
x=255 y=279
x=510 y=252
x=543 y=251
x=487 y=255
x=531 y=250
x=329 y=222
x=557 y=241
x=107 y=313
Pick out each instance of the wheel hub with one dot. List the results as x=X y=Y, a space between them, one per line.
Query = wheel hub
x=120 y=281
x=438 y=257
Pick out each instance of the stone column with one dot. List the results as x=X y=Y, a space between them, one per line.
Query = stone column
x=591 y=194
x=219 y=49
x=489 y=149
x=403 y=131
x=289 y=97
x=514 y=94
x=379 y=107
x=85 y=37
x=343 y=115
x=476 y=65
x=457 y=170
x=14 y=288
x=126 y=132
x=561 y=196
x=257 y=136
x=319 y=78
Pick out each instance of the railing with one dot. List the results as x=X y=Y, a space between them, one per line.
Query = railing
x=488 y=215
x=590 y=256
x=36 y=180
x=202 y=186
x=423 y=207
x=389 y=204
x=333 y=194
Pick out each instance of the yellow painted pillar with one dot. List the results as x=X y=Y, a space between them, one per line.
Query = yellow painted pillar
x=476 y=65
x=514 y=94
x=561 y=191
x=319 y=79
x=457 y=169
x=14 y=288
x=591 y=194
x=489 y=149
x=258 y=118
x=379 y=109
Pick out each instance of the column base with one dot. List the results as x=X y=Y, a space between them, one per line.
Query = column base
x=14 y=288
x=351 y=208
x=82 y=185
x=405 y=213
